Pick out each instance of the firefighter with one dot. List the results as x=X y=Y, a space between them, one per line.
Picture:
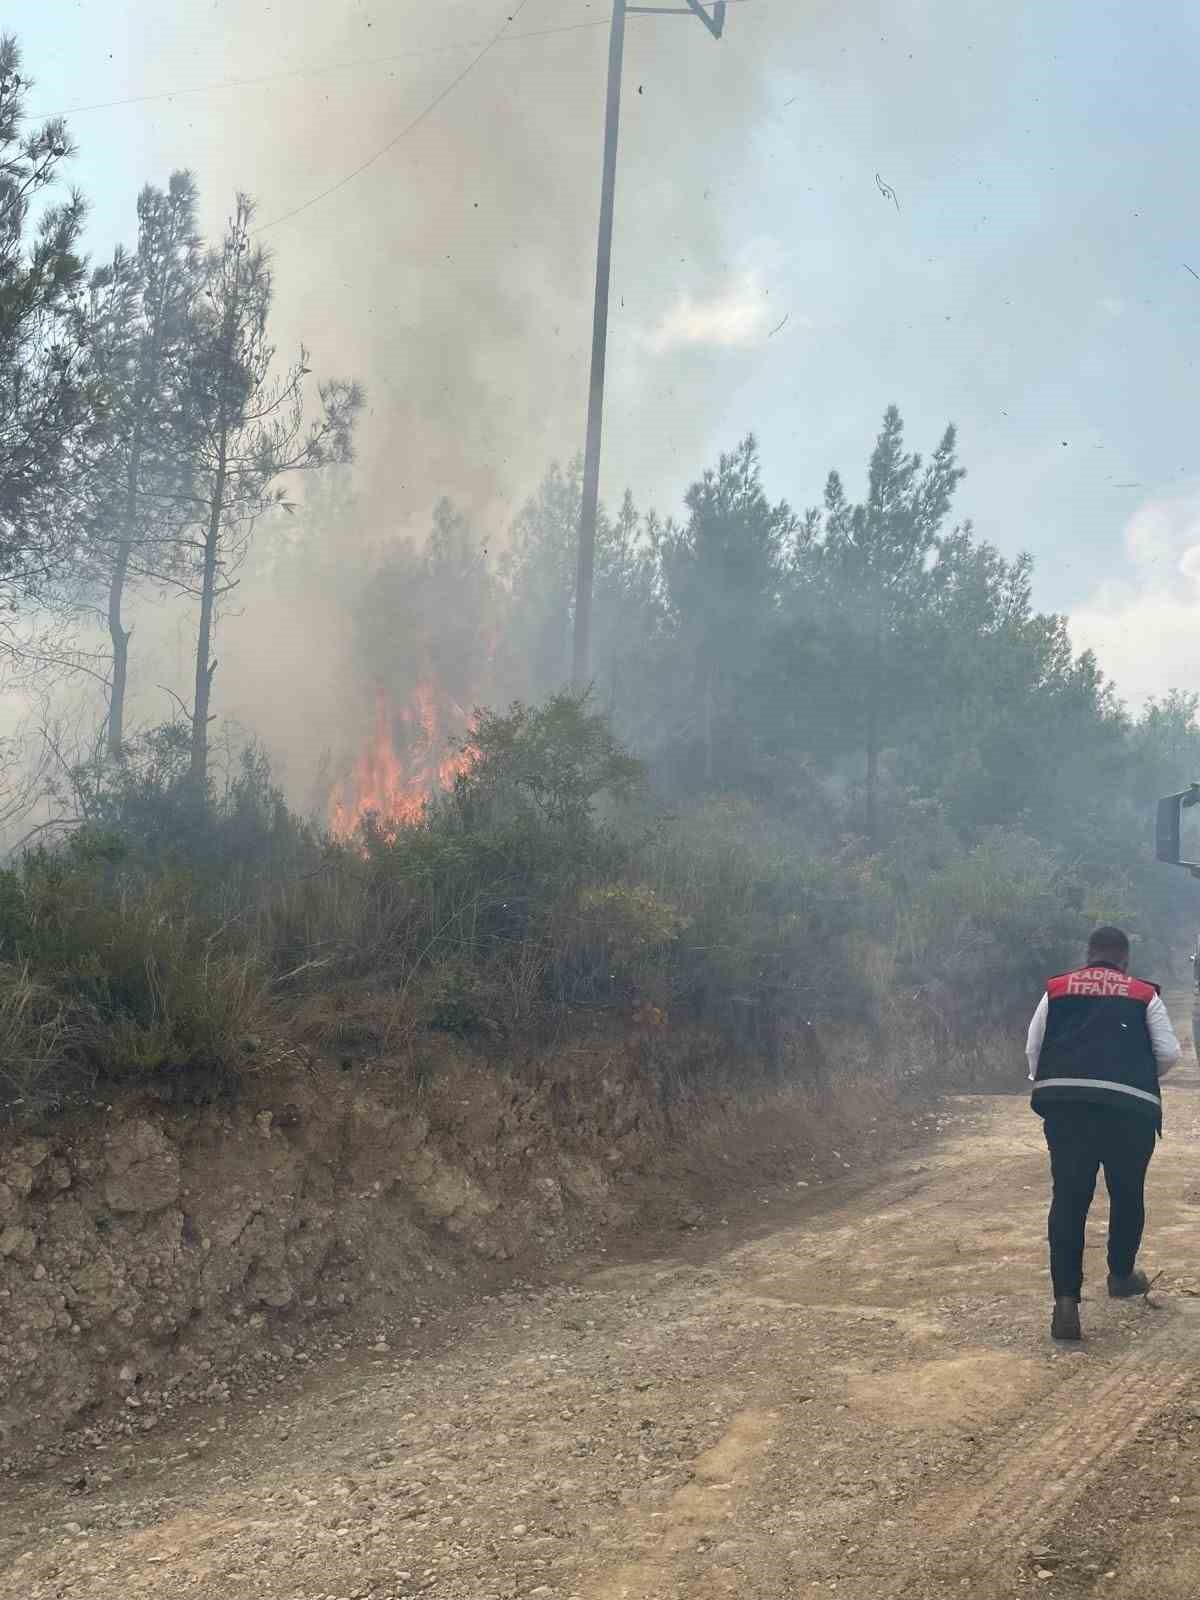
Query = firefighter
x=1099 y=1043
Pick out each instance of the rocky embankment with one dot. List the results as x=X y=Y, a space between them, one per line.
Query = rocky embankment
x=153 y=1255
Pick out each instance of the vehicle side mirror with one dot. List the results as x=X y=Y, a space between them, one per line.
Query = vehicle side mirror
x=1167 y=828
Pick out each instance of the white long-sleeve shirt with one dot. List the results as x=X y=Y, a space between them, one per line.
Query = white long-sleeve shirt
x=1165 y=1045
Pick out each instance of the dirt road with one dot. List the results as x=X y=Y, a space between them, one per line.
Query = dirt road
x=857 y=1397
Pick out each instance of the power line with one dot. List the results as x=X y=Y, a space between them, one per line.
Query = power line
x=317 y=72
x=409 y=127
x=501 y=36
x=320 y=72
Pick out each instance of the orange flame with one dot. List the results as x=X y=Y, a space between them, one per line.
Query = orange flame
x=394 y=784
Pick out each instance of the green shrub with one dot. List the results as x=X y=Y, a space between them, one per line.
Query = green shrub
x=238 y=836
x=978 y=928
x=453 y=1002
x=610 y=943
x=774 y=941
x=121 y=971
x=153 y=941
x=626 y=921
x=553 y=762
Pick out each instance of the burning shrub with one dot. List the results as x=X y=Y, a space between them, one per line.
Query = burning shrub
x=407 y=762
x=467 y=899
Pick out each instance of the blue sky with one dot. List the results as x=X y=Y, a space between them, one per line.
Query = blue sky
x=1031 y=286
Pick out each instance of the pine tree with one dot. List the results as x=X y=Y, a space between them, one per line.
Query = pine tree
x=144 y=319
x=871 y=563
x=251 y=432
x=722 y=573
x=539 y=569
x=47 y=405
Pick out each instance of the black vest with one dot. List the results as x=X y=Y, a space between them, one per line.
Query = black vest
x=1097 y=1046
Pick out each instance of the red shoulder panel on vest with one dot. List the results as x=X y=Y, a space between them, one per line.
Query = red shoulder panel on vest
x=1101 y=983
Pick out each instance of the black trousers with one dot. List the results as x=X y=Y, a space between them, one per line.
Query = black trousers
x=1082 y=1139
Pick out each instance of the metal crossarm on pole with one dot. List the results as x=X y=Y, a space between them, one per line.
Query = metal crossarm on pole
x=715 y=24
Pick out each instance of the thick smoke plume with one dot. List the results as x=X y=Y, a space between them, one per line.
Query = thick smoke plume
x=454 y=277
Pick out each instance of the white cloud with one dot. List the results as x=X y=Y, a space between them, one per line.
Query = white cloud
x=1144 y=625
x=740 y=316
x=1160 y=531
x=1150 y=645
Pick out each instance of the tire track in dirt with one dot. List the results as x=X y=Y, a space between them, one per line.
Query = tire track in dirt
x=707 y=1509
x=986 y=1522
x=822 y=1245
x=813 y=1241
x=1025 y=1483
x=700 y=1506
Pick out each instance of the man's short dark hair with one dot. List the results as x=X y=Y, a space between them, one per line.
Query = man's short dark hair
x=1109 y=944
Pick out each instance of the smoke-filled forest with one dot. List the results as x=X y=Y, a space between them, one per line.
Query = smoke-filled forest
x=834 y=771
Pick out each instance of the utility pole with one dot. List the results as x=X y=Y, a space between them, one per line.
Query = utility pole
x=581 y=674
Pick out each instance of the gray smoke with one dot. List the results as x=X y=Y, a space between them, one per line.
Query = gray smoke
x=454 y=277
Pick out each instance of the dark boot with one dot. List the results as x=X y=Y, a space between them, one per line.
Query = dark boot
x=1065 y=1322
x=1127 y=1288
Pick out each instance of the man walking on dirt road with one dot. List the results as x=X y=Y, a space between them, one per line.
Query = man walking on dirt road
x=1098 y=1045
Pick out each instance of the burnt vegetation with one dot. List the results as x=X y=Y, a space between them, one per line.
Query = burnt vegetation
x=836 y=777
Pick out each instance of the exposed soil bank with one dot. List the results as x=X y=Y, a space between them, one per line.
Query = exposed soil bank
x=153 y=1255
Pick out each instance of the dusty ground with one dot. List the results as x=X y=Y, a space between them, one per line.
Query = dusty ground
x=856 y=1396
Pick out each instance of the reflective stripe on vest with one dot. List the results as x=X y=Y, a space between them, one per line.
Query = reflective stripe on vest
x=1096 y=1083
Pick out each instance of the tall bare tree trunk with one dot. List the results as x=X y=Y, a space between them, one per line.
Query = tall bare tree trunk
x=874 y=691
x=119 y=635
x=208 y=590
x=117 y=631
x=708 y=725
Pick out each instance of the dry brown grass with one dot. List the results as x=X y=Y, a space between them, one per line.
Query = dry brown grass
x=355 y=1019
x=34 y=1036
